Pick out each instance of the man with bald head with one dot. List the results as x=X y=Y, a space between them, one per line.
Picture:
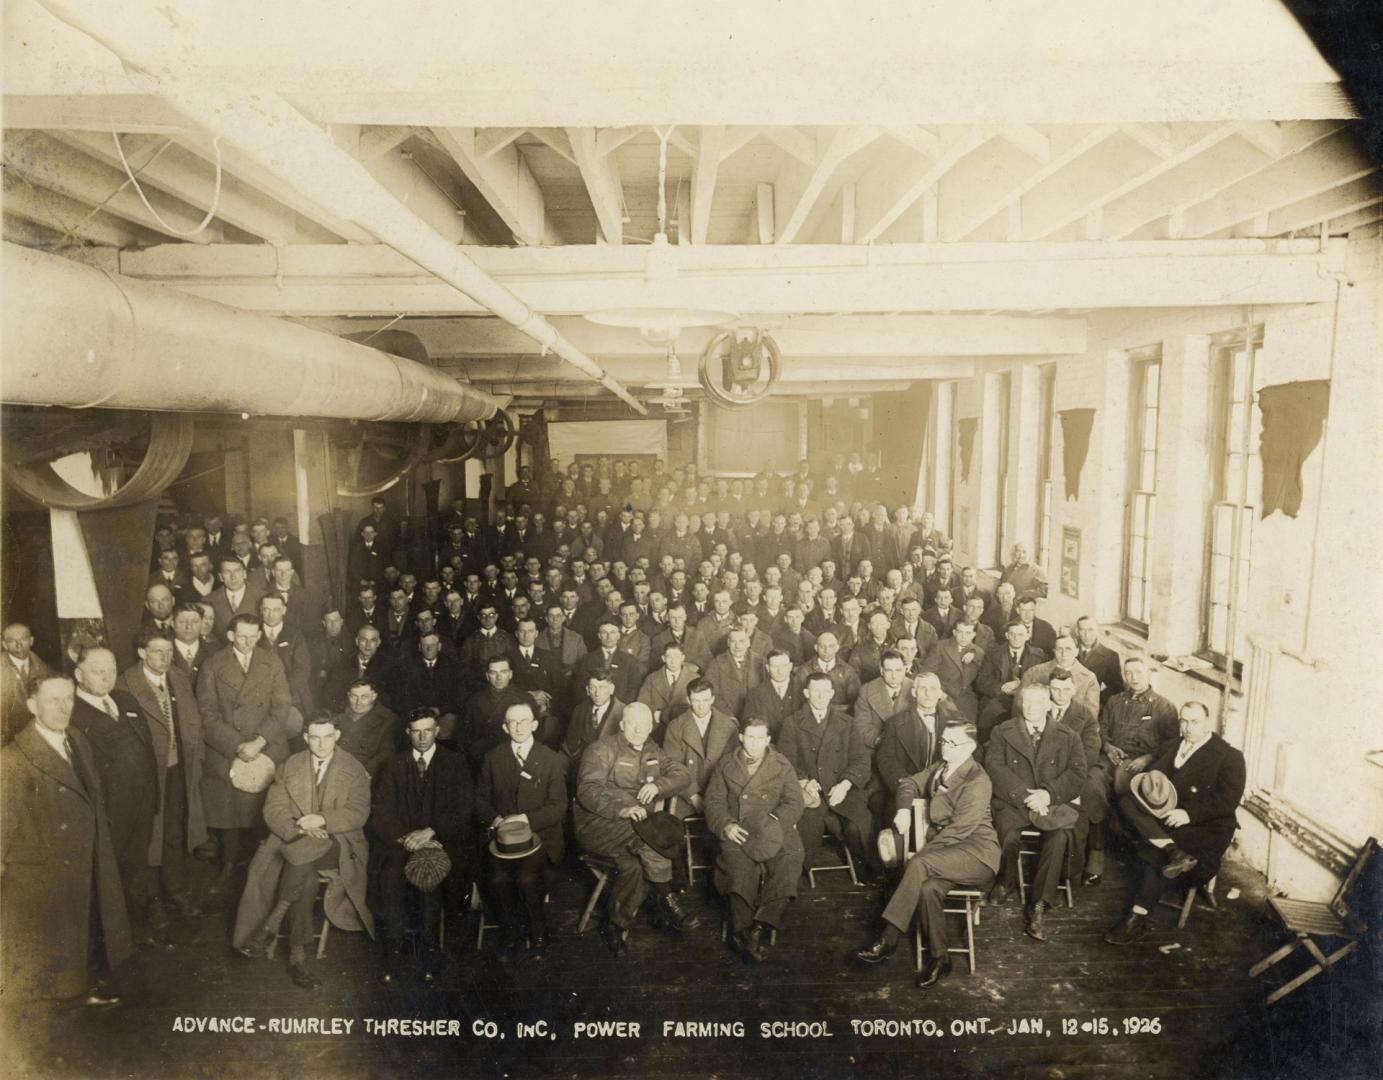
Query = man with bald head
x=621 y=776
x=845 y=680
x=159 y=602
x=124 y=757
x=18 y=667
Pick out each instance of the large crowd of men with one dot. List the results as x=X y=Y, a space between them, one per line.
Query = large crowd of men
x=787 y=666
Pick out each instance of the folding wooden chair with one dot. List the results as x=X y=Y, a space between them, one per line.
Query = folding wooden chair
x=1353 y=915
x=603 y=869
x=692 y=865
x=1206 y=893
x=1030 y=847
x=848 y=864
x=959 y=901
x=324 y=880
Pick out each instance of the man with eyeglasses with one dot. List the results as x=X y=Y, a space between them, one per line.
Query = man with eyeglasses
x=960 y=847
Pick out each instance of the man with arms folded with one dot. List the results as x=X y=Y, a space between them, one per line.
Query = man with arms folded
x=753 y=804
x=960 y=848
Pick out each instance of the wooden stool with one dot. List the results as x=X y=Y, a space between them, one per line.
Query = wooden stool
x=692 y=865
x=324 y=877
x=1207 y=893
x=478 y=906
x=848 y=864
x=603 y=868
x=964 y=902
x=1029 y=846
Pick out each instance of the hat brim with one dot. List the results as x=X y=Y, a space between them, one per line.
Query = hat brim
x=536 y=846
x=1136 y=786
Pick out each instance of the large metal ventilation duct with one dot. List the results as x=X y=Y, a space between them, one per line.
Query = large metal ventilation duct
x=80 y=337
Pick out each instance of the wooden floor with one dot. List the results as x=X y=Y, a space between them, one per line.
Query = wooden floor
x=1210 y=1017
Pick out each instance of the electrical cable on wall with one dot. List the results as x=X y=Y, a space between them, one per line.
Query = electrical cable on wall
x=215 y=194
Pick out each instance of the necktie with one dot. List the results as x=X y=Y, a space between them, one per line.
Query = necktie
x=519 y=757
x=421 y=763
x=67 y=753
x=321 y=767
x=166 y=707
x=111 y=710
x=1035 y=733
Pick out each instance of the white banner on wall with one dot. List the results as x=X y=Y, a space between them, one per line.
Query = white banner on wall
x=614 y=437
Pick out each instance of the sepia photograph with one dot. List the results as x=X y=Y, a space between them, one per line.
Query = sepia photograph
x=778 y=538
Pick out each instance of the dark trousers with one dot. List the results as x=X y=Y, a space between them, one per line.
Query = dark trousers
x=1051 y=858
x=923 y=890
x=298 y=886
x=518 y=888
x=400 y=907
x=131 y=826
x=173 y=855
x=848 y=822
x=777 y=885
x=1152 y=858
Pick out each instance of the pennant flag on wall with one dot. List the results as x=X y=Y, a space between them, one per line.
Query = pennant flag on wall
x=1075 y=445
x=967 y=445
x=1293 y=420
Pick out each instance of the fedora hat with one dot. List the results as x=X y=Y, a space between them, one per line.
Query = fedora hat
x=252 y=776
x=663 y=833
x=514 y=840
x=765 y=836
x=427 y=867
x=1154 y=792
x=891 y=848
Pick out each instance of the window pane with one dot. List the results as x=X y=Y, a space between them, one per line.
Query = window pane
x=1150 y=384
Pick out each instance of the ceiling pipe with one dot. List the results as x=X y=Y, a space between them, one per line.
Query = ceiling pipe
x=80 y=337
x=279 y=138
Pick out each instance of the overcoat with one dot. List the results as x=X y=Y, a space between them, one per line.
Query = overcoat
x=237 y=706
x=732 y=795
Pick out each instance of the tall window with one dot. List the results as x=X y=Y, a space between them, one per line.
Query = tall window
x=1145 y=370
x=1234 y=455
x=1046 y=420
x=1004 y=387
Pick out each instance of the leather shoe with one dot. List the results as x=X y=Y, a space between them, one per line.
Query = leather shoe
x=998 y=895
x=1036 y=927
x=876 y=953
x=1092 y=879
x=1178 y=864
x=616 y=938
x=258 y=944
x=1131 y=928
x=537 y=951
x=674 y=918
x=298 y=970
x=751 y=945
x=933 y=973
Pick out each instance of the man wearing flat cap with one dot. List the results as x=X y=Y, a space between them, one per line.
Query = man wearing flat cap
x=316 y=812
x=522 y=782
x=753 y=803
x=1182 y=810
x=423 y=799
x=621 y=777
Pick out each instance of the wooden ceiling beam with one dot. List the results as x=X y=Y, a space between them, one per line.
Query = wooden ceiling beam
x=792 y=210
x=490 y=141
x=185 y=177
x=557 y=140
x=602 y=184
x=1036 y=144
x=374 y=141
x=793 y=141
x=45 y=162
x=926 y=175
x=703 y=183
x=68 y=217
x=1336 y=202
x=504 y=182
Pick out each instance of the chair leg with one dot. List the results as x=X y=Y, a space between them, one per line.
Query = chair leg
x=917 y=946
x=687 y=843
x=849 y=862
x=601 y=878
x=322 y=937
x=1323 y=963
x=1273 y=957
x=970 y=932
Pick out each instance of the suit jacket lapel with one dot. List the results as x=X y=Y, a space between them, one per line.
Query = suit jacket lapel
x=47 y=760
x=143 y=693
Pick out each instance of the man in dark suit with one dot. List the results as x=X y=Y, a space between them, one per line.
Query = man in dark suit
x=63 y=921
x=423 y=798
x=1002 y=611
x=522 y=780
x=18 y=667
x=398 y=622
x=238 y=595
x=539 y=672
x=845 y=680
x=433 y=679
x=1182 y=810
x=1001 y=674
x=124 y=756
x=850 y=547
x=159 y=602
x=483 y=644
x=290 y=645
x=170 y=574
x=911 y=738
x=598 y=715
x=367 y=660
x=1038 y=769
x=368 y=556
x=365 y=611
x=370 y=730
x=1099 y=659
x=734 y=673
x=961 y=848
x=832 y=766
x=486 y=708
x=622 y=667
x=169 y=707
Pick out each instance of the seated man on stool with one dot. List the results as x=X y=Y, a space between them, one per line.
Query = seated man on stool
x=316 y=811
x=1038 y=771
x=424 y=799
x=522 y=782
x=753 y=802
x=960 y=848
x=1183 y=812
x=622 y=775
